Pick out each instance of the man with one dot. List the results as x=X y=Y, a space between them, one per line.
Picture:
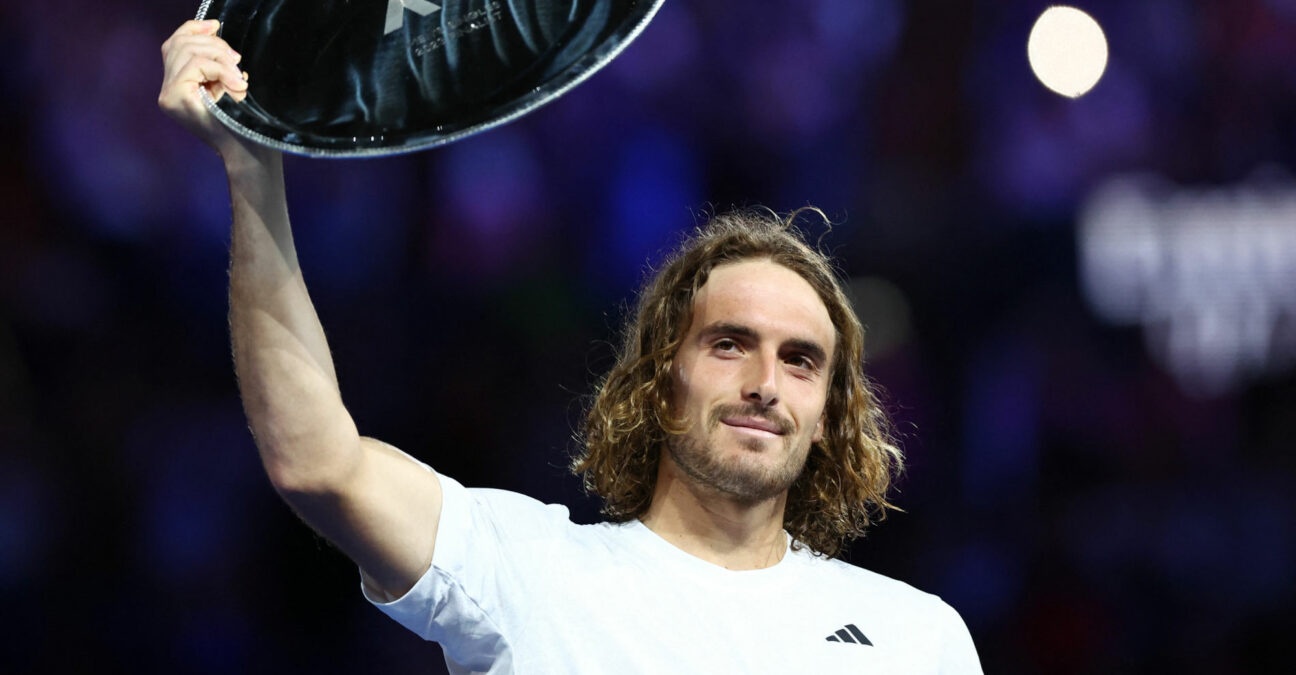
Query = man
x=735 y=442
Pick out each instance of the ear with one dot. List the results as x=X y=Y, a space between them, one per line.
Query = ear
x=819 y=429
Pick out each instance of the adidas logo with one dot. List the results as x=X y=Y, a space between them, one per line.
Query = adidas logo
x=850 y=634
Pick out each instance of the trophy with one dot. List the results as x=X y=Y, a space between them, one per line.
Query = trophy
x=364 y=78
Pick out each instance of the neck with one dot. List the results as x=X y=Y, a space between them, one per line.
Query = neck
x=713 y=526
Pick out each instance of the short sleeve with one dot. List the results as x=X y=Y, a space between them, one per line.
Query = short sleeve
x=487 y=547
x=958 y=653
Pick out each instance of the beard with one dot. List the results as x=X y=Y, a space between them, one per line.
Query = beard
x=742 y=478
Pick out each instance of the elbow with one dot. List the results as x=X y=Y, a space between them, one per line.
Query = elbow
x=310 y=479
x=291 y=483
x=307 y=457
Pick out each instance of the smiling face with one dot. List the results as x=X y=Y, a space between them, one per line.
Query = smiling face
x=751 y=380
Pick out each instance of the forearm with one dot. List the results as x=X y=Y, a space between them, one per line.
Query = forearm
x=285 y=371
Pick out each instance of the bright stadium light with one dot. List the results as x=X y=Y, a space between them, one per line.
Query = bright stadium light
x=1067 y=50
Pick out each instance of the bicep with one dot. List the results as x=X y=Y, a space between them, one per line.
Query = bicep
x=384 y=517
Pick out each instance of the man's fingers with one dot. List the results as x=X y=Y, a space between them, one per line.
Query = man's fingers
x=206 y=26
x=210 y=71
x=181 y=90
x=190 y=29
x=203 y=64
x=234 y=82
x=197 y=27
x=239 y=91
x=186 y=48
x=192 y=42
x=196 y=59
x=220 y=78
x=227 y=60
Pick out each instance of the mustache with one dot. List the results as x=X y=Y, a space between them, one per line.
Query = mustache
x=749 y=410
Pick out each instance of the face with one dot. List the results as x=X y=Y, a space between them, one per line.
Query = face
x=751 y=380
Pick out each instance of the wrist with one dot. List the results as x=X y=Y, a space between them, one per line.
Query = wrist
x=242 y=156
x=235 y=149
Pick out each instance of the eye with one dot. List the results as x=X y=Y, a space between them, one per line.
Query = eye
x=726 y=345
x=803 y=362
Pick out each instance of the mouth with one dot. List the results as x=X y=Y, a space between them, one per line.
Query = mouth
x=754 y=425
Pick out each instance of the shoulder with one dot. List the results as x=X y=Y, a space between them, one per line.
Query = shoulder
x=482 y=515
x=493 y=504
x=504 y=500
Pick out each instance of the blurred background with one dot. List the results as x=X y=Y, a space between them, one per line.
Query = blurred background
x=1082 y=314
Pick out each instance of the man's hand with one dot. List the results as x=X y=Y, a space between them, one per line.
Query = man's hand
x=193 y=59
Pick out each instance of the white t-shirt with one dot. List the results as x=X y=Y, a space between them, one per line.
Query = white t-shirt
x=516 y=587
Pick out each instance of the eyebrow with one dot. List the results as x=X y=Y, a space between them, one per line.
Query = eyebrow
x=808 y=347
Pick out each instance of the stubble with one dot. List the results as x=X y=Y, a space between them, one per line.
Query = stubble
x=744 y=478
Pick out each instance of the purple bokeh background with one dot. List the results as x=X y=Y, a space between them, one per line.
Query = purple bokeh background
x=1083 y=509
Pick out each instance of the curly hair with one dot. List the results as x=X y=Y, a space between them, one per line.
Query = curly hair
x=843 y=487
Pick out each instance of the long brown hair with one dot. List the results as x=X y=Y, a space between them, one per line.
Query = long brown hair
x=843 y=488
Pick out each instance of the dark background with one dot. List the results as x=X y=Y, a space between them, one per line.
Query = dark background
x=1095 y=392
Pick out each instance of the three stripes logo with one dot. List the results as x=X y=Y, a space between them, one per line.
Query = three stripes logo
x=849 y=633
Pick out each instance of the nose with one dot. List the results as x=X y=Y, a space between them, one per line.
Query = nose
x=761 y=382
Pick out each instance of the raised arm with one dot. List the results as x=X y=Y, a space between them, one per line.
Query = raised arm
x=376 y=504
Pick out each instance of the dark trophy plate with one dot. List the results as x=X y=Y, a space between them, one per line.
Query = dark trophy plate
x=361 y=78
